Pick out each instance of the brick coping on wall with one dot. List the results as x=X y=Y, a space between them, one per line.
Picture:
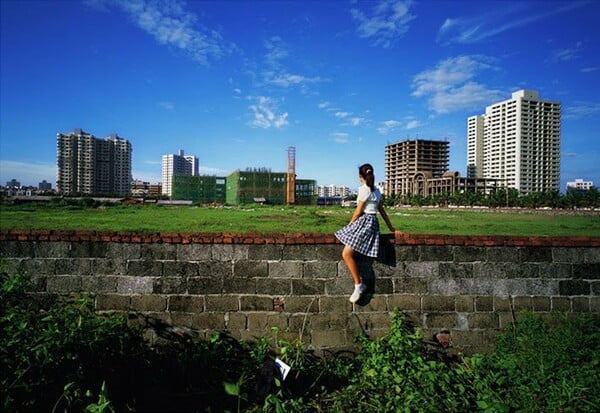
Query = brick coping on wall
x=290 y=239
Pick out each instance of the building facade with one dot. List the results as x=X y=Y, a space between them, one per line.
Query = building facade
x=580 y=185
x=177 y=164
x=87 y=165
x=405 y=161
x=517 y=141
x=333 y=191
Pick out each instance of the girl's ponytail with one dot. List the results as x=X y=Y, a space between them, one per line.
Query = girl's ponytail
x=366 y=172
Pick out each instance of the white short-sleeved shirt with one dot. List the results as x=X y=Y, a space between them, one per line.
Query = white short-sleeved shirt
x=371 y=198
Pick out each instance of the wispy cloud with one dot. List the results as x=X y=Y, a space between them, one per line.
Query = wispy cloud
x=168 y=106
x=275 y=72
x=506 y=16
x=451 y=87
x=589 y=69
x=341 y=115
x=340 y=137
x=265 y=112
x=172 y=25
x=563 y=55
x=386 y=23
x=581 y=110
x=388 y=126
x=356 y=121
x=412 y=124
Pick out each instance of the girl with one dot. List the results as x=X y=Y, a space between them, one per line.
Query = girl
x=362 y=233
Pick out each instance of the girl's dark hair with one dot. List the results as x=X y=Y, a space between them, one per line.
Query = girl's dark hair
x=366 y=171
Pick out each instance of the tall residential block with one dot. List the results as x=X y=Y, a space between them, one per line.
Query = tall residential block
x=517 y=141
x=405 y=159
x=180 y=164
x=87 y=165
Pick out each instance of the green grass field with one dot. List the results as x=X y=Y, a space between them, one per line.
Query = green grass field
x=298 y=219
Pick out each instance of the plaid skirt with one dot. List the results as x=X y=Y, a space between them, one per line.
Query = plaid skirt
x=361 y=235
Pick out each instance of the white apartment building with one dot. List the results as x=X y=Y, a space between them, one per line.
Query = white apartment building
x=580 y=184
x=333 y=190
x=518 y=142
x=180 y=164
x=87 y=165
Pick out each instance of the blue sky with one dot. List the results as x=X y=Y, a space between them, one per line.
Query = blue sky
x=237 y=82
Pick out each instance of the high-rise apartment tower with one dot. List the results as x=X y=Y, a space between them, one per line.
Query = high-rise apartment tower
x=180 y=164
x=87 y=165
x=403 y=160
x=517 y=141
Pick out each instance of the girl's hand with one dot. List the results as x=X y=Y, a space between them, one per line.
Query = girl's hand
x=398 y=233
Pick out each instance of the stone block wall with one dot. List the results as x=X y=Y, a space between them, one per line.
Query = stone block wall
x=248 y=284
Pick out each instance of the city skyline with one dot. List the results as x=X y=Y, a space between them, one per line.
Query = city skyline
x=236 y=83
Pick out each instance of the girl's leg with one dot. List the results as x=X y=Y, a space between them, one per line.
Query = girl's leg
x=348 y=256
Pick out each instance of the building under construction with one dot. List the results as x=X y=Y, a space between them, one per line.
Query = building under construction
x=200 y=189
x=420 y=167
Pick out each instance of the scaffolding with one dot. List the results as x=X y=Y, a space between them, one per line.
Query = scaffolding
x=200 y=189
x=291 y=176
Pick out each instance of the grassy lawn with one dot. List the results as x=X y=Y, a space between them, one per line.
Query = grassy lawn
x=299 y=219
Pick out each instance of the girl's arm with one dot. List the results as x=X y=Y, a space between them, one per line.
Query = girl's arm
x=360 y=207
x=385 y=217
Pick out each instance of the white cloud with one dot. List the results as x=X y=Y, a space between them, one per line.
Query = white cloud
x=388 y=126
x=170 y=24
x=341 y=115
x=450 y=86
x=356 y=121
x=564 y=55
x=324 y=105
x=581 y=110
x=169 y=106
x=412 y=124
x=509 y=16
x=589 y=69
x=340 y=137
x=265 y=113
x=388 y=21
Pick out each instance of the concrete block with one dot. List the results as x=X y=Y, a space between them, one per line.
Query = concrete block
x=73 y=266
x=229 y=252
x=595 y=305
x=135 y=285
x=193 y=252
x=285 y=269
x=64 y=284
x=469 y=254
x=339 y=286
x=251 y=269
x=580 y=304
x=502 y=303
x=85 y=249
x=330 y=305
x=301 y=304
x=221 y=303
x=58 y=249
x=382 y=286
x=273 y=286
x=319 y=269
x=522 y=303
x=439 y=320
x=561 y=304
x=258 y=324
x=374 y=303
x=117 y=250
x=99 y=283
x=404 y=302
x=180 y=269
x=235 y=321
x=300 y=252
x=591 y=255
x=158 y=251
x=438 y=303
x=330 y=338
x=236 y=285
x=595 y=286
x=587 y=271
x=574 y=287
x=503 y=254
x=436 y=253
x=556 y=270
x=308 y=287
x=256 y=303
x=114 y=302
x=484 y=304
x=410 y=285
x=329 y=253
x=17 y=249
x=407 y=253
x=146 y=303
x=269 y=252
x=109 y=266
x=464 y=303
x=205 y=285
x=506 y=270
x=567 y=255
x=170 y=285
x=215 y=269
x=455 y=270
x=536 y=254
x=483 y=321
x=540 y=304
x=208 y=321
x=13 y=266
x=37 y=266
x=448 y=287
x=144 y=268
x=421 y=269
x=185 y=303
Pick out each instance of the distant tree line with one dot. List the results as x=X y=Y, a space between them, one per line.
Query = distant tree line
x=502 y=198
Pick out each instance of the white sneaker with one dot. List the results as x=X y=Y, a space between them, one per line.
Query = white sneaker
x=358 y=290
